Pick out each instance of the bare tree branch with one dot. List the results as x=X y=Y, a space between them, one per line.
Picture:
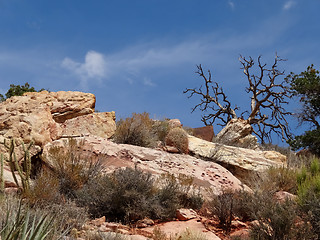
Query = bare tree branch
x=268 y=95
x=212 y=98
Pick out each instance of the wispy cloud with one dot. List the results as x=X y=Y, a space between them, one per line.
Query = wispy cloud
x=93 y=67
x=231 y=4
x=139 y=64
x=148 y=82
x=289 y=4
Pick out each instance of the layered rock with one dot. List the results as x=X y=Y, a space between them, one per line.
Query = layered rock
x=99 y=124
x=43 y=117
x=205 y=174
x=205 y=133
x=240 y=161
x=238 y=132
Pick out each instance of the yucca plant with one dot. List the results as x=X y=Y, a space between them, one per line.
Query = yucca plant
x=19 y=226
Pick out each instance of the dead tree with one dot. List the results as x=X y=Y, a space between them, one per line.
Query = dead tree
x=268 y=95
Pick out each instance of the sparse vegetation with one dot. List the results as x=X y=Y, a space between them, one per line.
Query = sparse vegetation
x=18 y=90
x=222 y=206
x=72 y=167
x=128 y=195
x=178 y=138
x=136 y=130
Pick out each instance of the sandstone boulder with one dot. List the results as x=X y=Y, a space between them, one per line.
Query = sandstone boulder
x=237 y=132
x=240 y=161
x=184 y=214
x=174 y=123
x=205 y=133
x=65 y=105
x=45 y=116
x=99 y=124
x=206 y=174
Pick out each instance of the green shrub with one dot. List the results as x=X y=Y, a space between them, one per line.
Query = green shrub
x=309 y=194
x=161 y=129
x=72 y=167
x=275 y=220
x=178 y=138
x=44 y=190
x=136 y=130
x=222 y=206
x=125 y=195
x=128 y=195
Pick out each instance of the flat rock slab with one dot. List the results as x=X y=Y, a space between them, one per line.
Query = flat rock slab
x=208 y=175
x=176 y=227
x=240 y=161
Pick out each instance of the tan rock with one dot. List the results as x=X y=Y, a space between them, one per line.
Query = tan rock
x=8 y=178
x=177 y=227
x=98 y=124
x=206 y=174
x=173 y=123
x=43 y=117
x=282 y=196
x=65 y=105
x=205 y=133
x=144 y=223
x=240 y=161
x=237 y=132
x=184 y=214
x=98 y=221
x=275 y=156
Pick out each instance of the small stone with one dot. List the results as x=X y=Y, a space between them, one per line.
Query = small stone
x=145 y=223
x=98 y=221
x=184 y=214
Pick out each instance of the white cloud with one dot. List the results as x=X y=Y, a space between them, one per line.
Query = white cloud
x=94 y=67
x=137 y=63
x=289 y=4
x=231 y=4
x=148 y=82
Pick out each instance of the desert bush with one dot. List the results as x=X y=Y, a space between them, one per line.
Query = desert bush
x=44 y=190
x=72 y=167
x=308 y=179
x=310 y=206
x=187 y=194
x=125 y=195
x=178 y=138
x=136 y=130
x=222 y=206
x=161 y=128
x=128 y=195
x=278 y=221
x=190 y=235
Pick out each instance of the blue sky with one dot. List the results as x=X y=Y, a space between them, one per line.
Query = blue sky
x=139 y=55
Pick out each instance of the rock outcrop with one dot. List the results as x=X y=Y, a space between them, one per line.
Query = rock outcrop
x=44 y=116
x=240 y=161
x=208 y=175
x=205 y=133
x=238 y=132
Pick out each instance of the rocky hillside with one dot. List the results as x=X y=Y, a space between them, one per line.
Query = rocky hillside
x=50 y=119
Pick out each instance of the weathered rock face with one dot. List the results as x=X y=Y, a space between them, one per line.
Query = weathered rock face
x=238 y=132
x=43 y=117
x=65 y=105
x=205 y=174
x=205 y=133
x=98 y=124
x=240 y=161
